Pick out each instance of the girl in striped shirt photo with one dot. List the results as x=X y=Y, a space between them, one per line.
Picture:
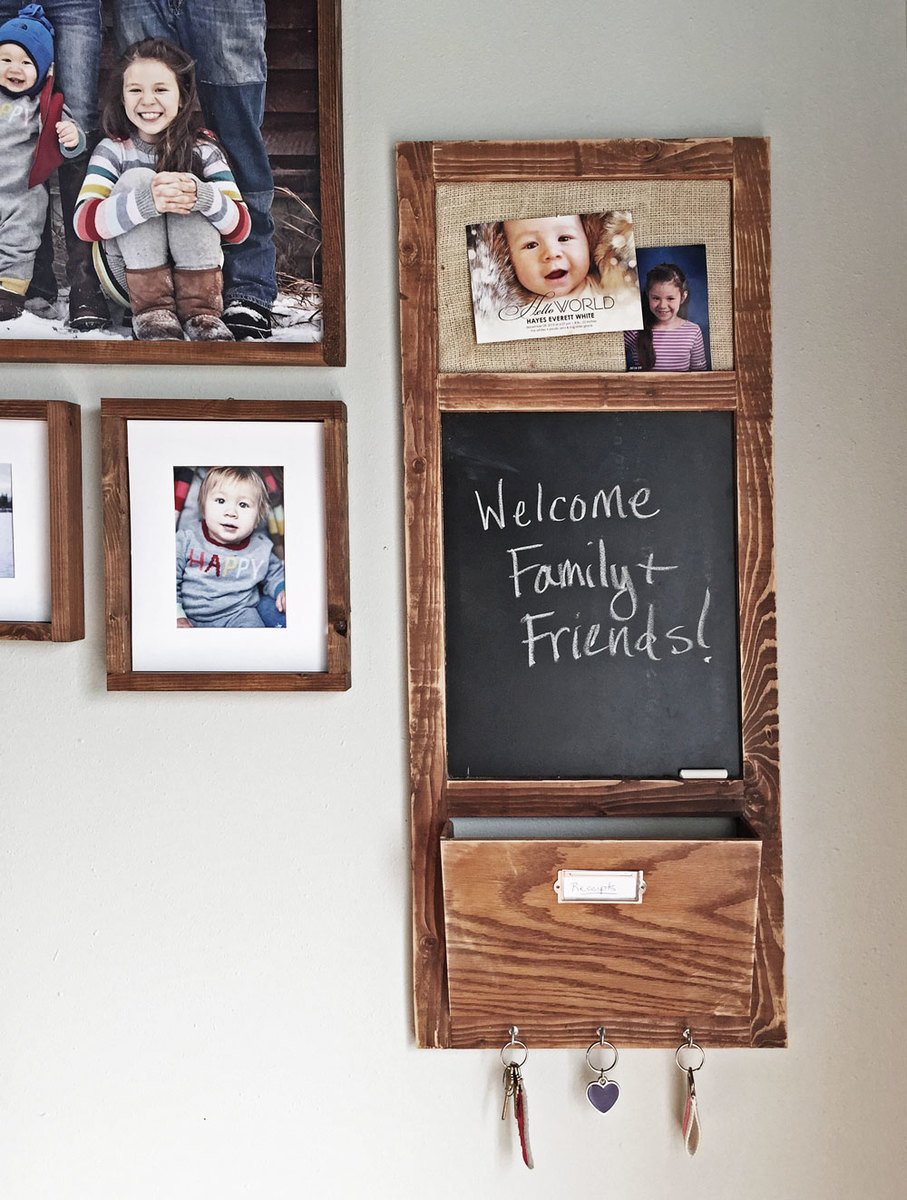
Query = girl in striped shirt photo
x=667 y=341
x=159 y=199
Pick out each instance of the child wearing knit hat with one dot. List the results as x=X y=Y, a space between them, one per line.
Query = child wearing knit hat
x=36 y=133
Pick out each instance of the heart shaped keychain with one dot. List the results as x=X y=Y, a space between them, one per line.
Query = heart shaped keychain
x=603 y=1096
x=603 y=1093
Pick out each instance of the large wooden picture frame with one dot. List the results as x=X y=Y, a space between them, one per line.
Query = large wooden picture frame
x=452 y=931
x=175 y=434
x=302 y=133
x=61 y=497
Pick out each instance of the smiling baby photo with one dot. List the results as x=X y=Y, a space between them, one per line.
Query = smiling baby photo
x=229 y=548
x=549 y=276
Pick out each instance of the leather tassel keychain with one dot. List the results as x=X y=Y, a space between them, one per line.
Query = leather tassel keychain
x=513 y=1056
x=690 y=1057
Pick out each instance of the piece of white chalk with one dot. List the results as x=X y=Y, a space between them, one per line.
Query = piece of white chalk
x=703 y=774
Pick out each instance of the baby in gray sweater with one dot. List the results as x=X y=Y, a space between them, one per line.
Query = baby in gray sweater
x=29 y=150
x=224 y=563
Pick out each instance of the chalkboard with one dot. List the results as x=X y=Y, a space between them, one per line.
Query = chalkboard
x=590 y=594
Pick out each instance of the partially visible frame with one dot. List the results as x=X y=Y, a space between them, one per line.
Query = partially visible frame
x=303 y=133
x=64 y=489
x=117 y=416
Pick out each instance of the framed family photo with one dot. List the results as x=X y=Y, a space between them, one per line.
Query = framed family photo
x=171 y=182
x=226 y=545
x=41 y=580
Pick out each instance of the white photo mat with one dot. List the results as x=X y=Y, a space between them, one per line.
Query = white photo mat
x=154 y=449
x=27 y=597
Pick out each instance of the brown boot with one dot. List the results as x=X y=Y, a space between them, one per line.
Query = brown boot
x=199 y=304
x=153 y=307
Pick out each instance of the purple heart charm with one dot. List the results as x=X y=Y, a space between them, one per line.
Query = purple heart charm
x=603 y=1096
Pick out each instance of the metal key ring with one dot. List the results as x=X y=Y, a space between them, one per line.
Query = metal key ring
x=688 y=1045
x=513 y=1044
x=601 y=1044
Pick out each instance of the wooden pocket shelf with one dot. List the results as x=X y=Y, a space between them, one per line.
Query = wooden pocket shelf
x=518 y=955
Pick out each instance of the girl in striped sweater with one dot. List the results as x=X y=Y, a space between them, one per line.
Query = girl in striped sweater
x=667 y=341
x=159 y=198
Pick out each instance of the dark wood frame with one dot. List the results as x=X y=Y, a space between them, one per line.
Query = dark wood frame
x=331 y=351
x=117 y=544
x=64 y=469
x=745 y=391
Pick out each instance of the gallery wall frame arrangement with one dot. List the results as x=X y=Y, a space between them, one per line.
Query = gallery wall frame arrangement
x=594 y=770
x=272 y=192
x=226 y=577
x=41 y=572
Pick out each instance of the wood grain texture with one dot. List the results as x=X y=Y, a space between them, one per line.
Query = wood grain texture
x=521 y=162
x=115 y=517
x=224 y=410
x=758 y=637
x=330 y=143
x=67 y=589
x=26 y=631
x=425 y=628
x=518 y=956
x=115 y=413
x=64 y=472
x=593 y=797
x=228 y=681
x=585 y=391
x=23 y=410
x=752 y=276
x=107 y=351
x=337 y=547
x=757 y=992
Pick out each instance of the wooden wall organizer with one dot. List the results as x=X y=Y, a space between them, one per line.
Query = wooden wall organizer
x=491 y=945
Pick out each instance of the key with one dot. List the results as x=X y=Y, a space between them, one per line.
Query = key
x=509 y=1089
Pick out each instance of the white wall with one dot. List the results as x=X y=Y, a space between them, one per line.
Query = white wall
x=189 y=1006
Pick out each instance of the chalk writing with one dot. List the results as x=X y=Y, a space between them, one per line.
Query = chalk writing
x=535 y=570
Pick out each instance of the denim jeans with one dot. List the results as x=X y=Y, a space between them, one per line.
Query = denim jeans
x=271 y=616
x=227 y=40
x=77 y=52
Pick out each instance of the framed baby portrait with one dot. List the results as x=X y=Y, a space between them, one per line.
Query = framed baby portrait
x=41 y=592
x=226 y=545
x=172 y=183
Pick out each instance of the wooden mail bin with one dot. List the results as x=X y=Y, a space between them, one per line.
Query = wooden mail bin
x=516 y=955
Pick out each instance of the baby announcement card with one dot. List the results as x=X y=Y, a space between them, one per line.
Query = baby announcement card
x=549 y=276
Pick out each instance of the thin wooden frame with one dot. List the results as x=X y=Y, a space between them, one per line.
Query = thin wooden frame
x=64 y=445
x=327 y=142
x=117 y=544
x=745 y=391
